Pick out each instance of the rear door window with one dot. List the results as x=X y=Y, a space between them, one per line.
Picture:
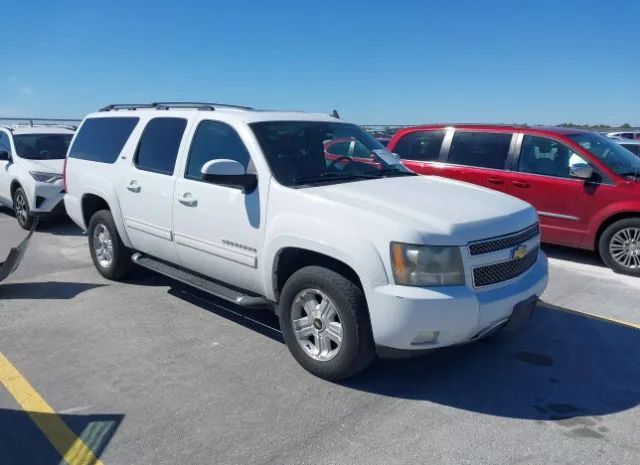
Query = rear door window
x=481 y=149
x=102 y=139
x=420 y=146
x=159 y=144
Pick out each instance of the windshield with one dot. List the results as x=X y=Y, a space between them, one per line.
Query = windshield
x=309 y=152
x=610 y=153
x=42 y=146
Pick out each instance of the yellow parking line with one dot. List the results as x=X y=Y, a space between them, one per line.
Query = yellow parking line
x=593 y=316
x=72 y=449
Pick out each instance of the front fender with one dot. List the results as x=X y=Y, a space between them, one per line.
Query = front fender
x=628 y=208
x=339 y=243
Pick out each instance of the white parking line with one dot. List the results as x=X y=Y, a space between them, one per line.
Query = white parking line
x=594 y=271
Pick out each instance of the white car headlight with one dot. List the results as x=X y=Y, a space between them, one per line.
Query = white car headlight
x=49 y=178
x=423 y=265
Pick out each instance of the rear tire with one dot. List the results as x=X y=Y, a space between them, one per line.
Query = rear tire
x=22 y=209
x=619 y=246
x=110 y=257
x=334 y=340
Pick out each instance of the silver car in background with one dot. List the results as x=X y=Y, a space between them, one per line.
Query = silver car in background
x=631 y=145
x=634 y=134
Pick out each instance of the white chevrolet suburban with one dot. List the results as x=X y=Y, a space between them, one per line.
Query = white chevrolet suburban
x=31 y=162
x=354 y=253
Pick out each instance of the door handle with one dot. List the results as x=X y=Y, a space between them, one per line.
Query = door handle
x=521 y=184
x=187 y=199
x=493 y=180
x=133 y=186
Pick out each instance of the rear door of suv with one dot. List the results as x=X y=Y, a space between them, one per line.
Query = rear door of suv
x=147 y=190
x=477 y=156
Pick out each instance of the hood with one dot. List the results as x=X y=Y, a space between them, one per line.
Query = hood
x=46 y=166
x=442 y=211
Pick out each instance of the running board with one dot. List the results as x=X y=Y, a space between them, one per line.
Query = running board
x=202 y=283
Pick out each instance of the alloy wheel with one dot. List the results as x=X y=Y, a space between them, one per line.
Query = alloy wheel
x=103 y=245
x=624 y=247
x=317 y=324
x=22 y=211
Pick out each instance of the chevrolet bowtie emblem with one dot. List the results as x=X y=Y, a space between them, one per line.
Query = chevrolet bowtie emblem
x=520 y=252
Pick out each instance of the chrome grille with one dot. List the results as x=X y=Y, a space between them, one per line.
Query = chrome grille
x=504 y=271
x=503 y=242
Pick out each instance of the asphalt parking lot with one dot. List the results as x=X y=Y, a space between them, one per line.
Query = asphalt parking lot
x=151 y=372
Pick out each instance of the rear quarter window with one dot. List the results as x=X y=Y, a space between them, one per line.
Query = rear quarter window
x=101 y=139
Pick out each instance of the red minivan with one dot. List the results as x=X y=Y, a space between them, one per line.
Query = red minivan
x=585 y=187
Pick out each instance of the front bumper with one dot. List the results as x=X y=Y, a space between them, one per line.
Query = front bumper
x=45 y=198
x=458 y=313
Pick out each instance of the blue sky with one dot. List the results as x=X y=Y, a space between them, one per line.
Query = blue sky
x=375 y=62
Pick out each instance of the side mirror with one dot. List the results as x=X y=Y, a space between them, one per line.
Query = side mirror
x=4 y=155
x=229 y=173
x=581 y=170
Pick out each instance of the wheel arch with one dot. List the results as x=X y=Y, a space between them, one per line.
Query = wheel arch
x=288 y=260
x=90 y=204
x=608 y=222
x=15 y=184
x=93 y=201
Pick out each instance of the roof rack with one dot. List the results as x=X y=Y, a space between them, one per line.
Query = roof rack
x=168 y=105
x=13 y=127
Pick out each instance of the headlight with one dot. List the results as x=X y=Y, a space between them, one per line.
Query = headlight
x=49 y=178
x=422 y=265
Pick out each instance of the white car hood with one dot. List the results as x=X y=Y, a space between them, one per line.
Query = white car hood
x=45 y=166
x=442 y=211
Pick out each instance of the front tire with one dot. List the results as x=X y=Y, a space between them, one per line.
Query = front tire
x=619 y=246
x=22 y=209
x=325 y=323
x=110 y=257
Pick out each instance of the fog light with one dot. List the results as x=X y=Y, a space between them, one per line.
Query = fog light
x=426 y=337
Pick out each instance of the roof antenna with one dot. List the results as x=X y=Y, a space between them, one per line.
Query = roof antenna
x=335 y=114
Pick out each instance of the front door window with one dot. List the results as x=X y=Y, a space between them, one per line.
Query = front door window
x=547 y=157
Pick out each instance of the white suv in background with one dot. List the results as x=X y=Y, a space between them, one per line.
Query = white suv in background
x=31 y=163
x=353 y=254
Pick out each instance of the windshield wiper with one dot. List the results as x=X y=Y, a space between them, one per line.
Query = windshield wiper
x=329 y=177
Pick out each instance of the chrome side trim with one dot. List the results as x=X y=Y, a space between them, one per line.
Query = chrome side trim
x=218 y=250
x=559 y=216
x=149 y=228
